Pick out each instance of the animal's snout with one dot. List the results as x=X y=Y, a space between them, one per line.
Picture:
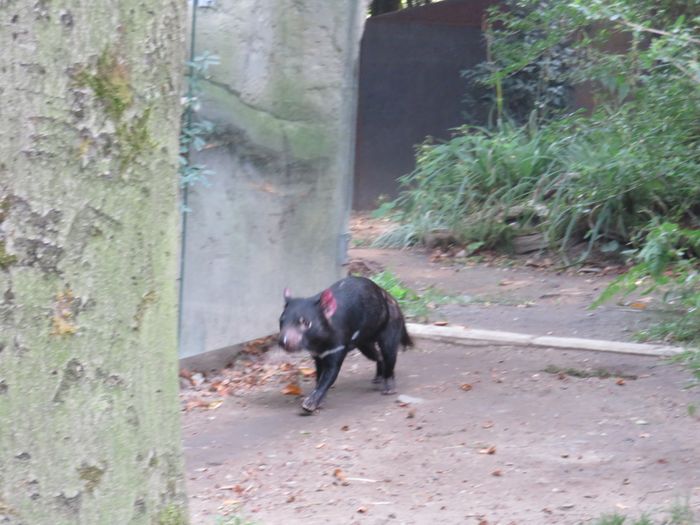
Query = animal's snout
x=290 y=339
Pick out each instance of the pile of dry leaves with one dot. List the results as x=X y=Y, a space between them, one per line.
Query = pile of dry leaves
x=255 y=366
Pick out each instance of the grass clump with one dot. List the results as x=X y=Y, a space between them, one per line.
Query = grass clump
x=679 y=514
x=599 y=180
x=473 y=184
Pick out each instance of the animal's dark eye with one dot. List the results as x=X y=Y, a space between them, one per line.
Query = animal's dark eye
x=304 y=322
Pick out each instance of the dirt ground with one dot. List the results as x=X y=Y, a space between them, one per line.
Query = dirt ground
x=479 y=434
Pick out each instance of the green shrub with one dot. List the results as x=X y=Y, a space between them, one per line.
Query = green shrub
x=625 y=167
x=599 y=179
x=668 y=262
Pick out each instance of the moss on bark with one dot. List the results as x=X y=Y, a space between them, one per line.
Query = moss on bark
x=110 y=84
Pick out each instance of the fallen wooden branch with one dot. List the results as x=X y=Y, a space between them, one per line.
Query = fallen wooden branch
x=456 y=334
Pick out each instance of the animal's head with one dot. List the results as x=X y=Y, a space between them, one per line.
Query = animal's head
x=304 y=321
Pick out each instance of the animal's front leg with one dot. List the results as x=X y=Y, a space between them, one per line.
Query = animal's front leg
x=329 y=368
x=319 y=369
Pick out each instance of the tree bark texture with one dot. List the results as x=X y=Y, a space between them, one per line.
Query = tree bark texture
x=89 y=119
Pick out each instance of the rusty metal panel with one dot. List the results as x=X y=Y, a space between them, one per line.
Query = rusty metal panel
x=411 y=87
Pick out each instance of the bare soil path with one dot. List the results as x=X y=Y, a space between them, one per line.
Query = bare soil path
x=479 y=434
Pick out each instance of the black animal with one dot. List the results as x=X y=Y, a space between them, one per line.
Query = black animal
x=352 y=313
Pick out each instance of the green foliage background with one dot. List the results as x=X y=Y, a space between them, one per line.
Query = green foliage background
x=621 y=180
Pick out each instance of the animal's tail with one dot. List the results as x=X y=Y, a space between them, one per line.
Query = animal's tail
x=405 y=338
x=396 y=318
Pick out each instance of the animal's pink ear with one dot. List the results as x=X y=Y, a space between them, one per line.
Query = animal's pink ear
x=328 y=304
x=287 y=295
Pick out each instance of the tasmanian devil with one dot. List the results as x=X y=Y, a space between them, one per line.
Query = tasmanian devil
x=352 y=313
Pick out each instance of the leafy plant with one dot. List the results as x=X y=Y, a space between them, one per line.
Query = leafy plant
x=667 y=263
x=194 y=131
x=666 y=260
x=413 y=304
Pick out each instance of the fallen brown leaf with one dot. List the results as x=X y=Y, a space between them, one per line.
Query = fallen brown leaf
x=292 y=389
x=487 y=424
x=440 y=323
x=638 y=305
x=466 y=387
x=497 y=473
x=220 y=386
x=215 y=404
x=195 y=403
x=307 y=371
x=489 y=450
x=362 y=510
x=620 y=381
x=339 y=475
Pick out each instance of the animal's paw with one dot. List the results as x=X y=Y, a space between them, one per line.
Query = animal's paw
x=308 y=406
x=389 y=387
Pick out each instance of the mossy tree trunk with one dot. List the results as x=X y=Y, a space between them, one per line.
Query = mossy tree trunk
x=89 y=118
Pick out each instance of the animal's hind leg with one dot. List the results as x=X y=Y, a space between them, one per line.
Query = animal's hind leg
x=389 y=346
x=370 y=351
x=377 y=379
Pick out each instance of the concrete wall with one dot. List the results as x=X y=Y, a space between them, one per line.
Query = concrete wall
x=276 y=212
